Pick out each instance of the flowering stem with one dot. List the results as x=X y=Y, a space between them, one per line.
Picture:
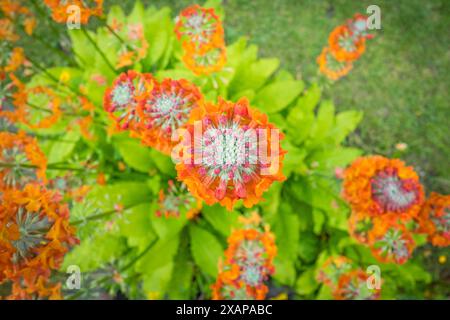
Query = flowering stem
x=121 y=270
x=114 y=33
x=88 y=36
x=49 y=167
x=101 y=215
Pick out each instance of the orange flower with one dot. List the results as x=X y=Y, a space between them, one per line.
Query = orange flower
x=332 y=269
x=204 y=61
x=353 y=286
x=22 y=160
x=35 y=235
x=64 y=10
x=391 y=242
x=332 y=68
x=345 y=45
x=42 y=114
x=14 y=11
x=199 y=26
x=41 y=290
x=165 y=109
x=360 y=225
x=378 y=186
x=7 y=31
x=122 y=98
x=176 y=200
x=16 y=59
x=136 y=47
x=223 y=160
x=248 y=263
x=434 y=219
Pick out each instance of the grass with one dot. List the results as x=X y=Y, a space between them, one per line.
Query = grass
x=401 y=82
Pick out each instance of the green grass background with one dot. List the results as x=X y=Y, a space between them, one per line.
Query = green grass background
x=401 y=82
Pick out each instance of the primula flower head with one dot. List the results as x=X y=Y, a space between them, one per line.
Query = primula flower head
x=248 y=262
x=434 y=219
x=22 y=160
x=345 y=44
x=332 y=68
x=40 y=107
x=165 y=109
x=360 y=226
x=378 y=186
x=204 y=61
x=391 y=242
x=35 y=234
x=176 y=200
x=199 y=26
x=332 y=269
x=227 y=161
x=62 y=10
x=122 y=98
x=353 y=286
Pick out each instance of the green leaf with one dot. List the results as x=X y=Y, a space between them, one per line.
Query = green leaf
x=277 y=96
x=163 y=163
x=158 y=29
x=324 y=123
x=310 y=98
x=221 y=219
x=206 y=250
x=136 y=226
x=134 y=153
x=300 y=123
x=253 y=76
x=137 y=14
x=106 y=246
x=62 y=149
x=308 y=248
x=306 y=283
x=330 y=158
x=345 y=123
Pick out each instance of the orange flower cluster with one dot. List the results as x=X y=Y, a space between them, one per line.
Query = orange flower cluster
x=136 y=46
x=383 y=194
x=345 y=280
x=34 y=237
x=16 y=12
x=151 y=110
x=346 y=44
x=202 y=36
x=226 y=164
x=21 y=161
x=177 y=200
x=65 y=10
x=434 y=219
x=248 y=263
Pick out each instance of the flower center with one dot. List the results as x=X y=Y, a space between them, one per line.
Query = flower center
x=393 y=193
x=229 y=154
x=442 y=222
x=392 y=244
x=32 y=230
x=122 y=95
x=168 y=111
x=18 y=172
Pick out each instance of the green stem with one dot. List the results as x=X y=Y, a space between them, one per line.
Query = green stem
x=49 y=167
x=88 y=36
x=101 y=215
x=114 y=33
x=123 y=269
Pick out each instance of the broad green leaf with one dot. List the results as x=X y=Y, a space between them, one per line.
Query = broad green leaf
x=309 y=246
x=276 y=96
x=135 y=154
x=310 y=98
x=306 y=283
x=62 y=149
x=206 y=250
x=221 y=219
x=345 y=123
